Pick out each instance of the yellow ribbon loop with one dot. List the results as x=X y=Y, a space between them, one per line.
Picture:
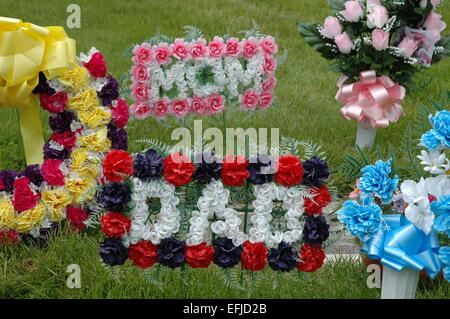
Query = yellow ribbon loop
x=25 y=50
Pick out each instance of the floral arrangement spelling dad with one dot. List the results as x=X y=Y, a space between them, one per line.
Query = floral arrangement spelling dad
x=87 y=120
x=193 y=76
x=406 y=235
x=147 y=236
x=377 y=46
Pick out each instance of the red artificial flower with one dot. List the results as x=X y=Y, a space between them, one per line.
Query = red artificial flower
x=9 y=236
x=120 y=113
x=178 y=169
x=117 y=165
x=24 y=197
x=66 y=139
x=76 y=216
x=143 y=254
x=234 y=170
x=321 y=200
x=254 y=256
x=55 y=103
x=96 y=65
x=312 y=258
x=52 y=173
x=115 y=224
x=2 y=185
x=199 y=256
x=289 y=170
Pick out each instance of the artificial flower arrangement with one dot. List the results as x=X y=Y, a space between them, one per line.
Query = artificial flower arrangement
x=400 y=226
x=193 y=76
x=377 y=46
x=290 y=199
x=87 y=119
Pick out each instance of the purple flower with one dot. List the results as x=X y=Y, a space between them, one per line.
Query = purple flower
x=61 y=121
x=149 y=165
x=209 y=167
x=33 y=172
x=113 y=252
x=261 y=169
x=45 y=234
x=114 y=197
x=118 y=137
x=171 y=252
x=315 y=172
x=9 y=176
x=282 y=258
x=110 y=91
x=43 y=86
x=50 y=152
x=315 y=231
x=226 y=254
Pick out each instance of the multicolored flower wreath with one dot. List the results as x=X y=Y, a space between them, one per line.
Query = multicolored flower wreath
x=87 y=119
x=137 y=232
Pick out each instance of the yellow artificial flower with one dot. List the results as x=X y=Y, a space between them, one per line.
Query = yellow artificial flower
x=56 y=200
x=30 y=218
x=94 y=117
x=83 y=164
x=76 y=77
x=97 y=141
x=7 y=215
x=82 y=189
x=83 y=101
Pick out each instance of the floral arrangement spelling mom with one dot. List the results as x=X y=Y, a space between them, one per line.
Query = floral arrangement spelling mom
x=148 y=234
x=377 y=46
x=193 y=76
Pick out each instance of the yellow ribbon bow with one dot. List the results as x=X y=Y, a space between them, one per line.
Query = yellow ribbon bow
x=25 y=50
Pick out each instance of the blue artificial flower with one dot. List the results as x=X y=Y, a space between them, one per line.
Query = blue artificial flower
x=441 y=209
x=376 y=180
x=440 y=134
x=362 y=221
x=444 y=256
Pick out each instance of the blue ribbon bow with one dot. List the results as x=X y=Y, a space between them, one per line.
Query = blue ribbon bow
x=400 y=244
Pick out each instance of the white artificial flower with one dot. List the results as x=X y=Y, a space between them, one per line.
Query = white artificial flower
x=434 y=161
x=437 y=186
x=421 y=215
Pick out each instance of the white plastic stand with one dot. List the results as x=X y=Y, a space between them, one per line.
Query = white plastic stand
x=365 y=137
x=399 y=284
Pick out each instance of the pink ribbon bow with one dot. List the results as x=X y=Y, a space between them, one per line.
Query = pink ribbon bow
x=373 y=101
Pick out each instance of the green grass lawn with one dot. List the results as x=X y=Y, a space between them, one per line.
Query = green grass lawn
x=305 y=109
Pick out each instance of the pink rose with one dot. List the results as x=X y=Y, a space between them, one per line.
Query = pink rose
x=162 y=108
x=265 y=100
x=249 y=100
x=269 y=46
x=215 y=103
x=216 y=47
x=120 y=113
x=344 y=43
x=250 y=47
x=380 y=39
x=408 y=46
x=141 y=111
x=52 y=173
x=140 y=92
x=353 y=11
x=377 y=17
x=434 y=23
x=198 y=105
x=198 y=49
x=162 y=54
x=139 y=73
x=269 y=83
x=179 y=49
x=270 y=64
x=372 y=3
x=331 y=28
x=179 y=108
x=143 y=53
x=233 y=47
